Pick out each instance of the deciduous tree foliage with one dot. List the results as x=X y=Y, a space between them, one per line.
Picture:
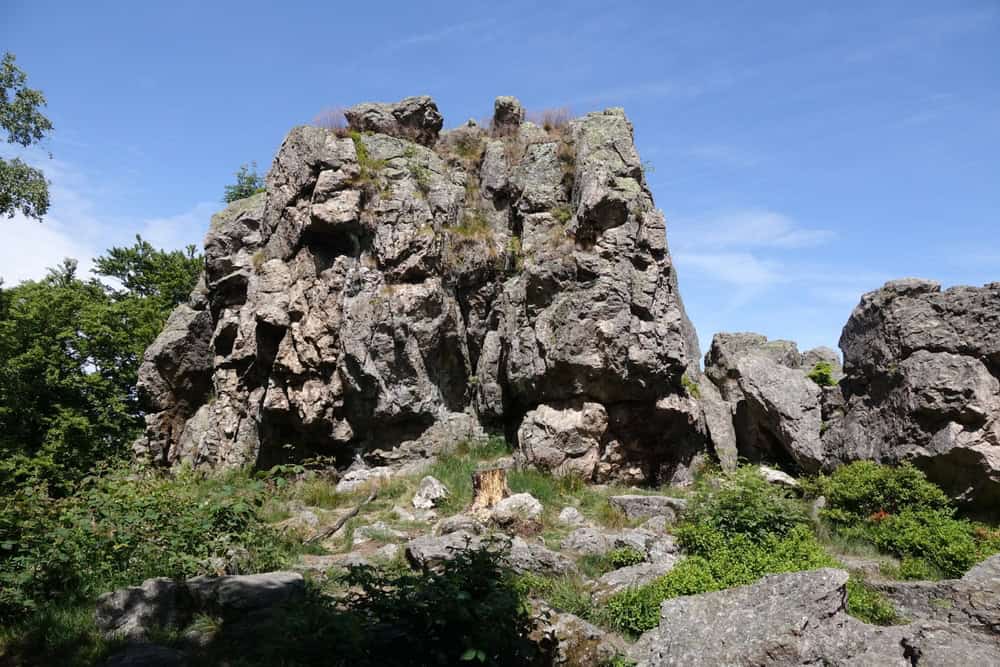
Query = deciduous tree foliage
x=70 y=349
x=22 y=187
x=248 y=183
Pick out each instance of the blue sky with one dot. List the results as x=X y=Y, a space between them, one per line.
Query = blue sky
x=802 y=155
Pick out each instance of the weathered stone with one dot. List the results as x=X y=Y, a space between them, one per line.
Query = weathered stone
x=415 y=118
x=507 y=112
x=923 y=385
x=518 y=507
x=800 y=619
x=642 y=506
x=430 y=493
x=570 y=516
x=777 y=477
x=574 y=642
x=565 y=438
x=632 y=576
x=133 y=612
x=130 y=613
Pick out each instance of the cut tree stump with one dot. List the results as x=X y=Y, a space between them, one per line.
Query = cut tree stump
x=489 y=487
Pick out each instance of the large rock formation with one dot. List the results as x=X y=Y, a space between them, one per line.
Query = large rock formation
x=923 y=385
x=401 y=288
x=774 y=408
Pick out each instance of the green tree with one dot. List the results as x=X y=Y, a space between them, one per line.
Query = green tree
x=248 y=183
x=22 y=187
x=70 y=350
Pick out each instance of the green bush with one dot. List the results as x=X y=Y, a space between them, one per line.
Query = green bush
x=120 y=528
x=822 y=374
x=856 y=492
x=743 y=504
x=902 y=513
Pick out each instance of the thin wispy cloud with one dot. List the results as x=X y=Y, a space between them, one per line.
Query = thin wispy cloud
x=447 y=32
x=751 y=228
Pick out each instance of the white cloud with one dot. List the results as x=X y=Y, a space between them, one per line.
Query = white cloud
x=735 y=268
x=75 y=228
x=181 y=230
x=750 y=228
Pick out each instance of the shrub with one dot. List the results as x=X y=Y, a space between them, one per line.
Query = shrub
x=822 y=374
x=857 y=492
x=743 y=504
x=469 y=609
x=691 y=387
x=551 y=120
x=121 y=528
x=868 y=604
x=898 y=510
x=332 y=118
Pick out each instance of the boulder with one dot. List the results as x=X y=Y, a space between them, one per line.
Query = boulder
x=632 y=576
x=922 y=384
x=574 y=642
x=775 y=410
x=507 y=112
x=564 y=438
x=570 y=516
x=430 y=493
x=414 y=118
x=518 y=507
x=131 y=613
x=642 y=506
x=800 y=619
x=522 y=556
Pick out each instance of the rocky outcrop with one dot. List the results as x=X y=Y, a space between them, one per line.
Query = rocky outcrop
x=402 y=288
x=801 y=619
x=132 y=613
x=923 y=385
x=774 y=408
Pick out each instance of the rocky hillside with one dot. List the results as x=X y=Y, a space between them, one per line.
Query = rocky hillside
x=398 y=288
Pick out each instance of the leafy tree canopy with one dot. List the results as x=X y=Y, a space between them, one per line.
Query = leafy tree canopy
x=70 y=350
x=22 y=187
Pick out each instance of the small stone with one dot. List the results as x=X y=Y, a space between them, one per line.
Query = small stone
x=778 y=477
x=430 y=494
x=570 y=516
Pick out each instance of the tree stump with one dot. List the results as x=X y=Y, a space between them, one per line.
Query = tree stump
x=489 y=487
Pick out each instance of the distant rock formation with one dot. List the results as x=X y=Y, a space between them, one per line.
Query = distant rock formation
x=401 y=288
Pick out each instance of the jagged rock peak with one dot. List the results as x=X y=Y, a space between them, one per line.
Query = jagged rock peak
x=401 y=288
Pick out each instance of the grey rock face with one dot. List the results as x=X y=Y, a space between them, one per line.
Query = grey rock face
x=415 y=118
x=383 y=300
x=923 y=384
x=632 y=576
x=800 y=619
x=565 y=439
x=775 y=410
x=132 y=612
x=522 y=556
